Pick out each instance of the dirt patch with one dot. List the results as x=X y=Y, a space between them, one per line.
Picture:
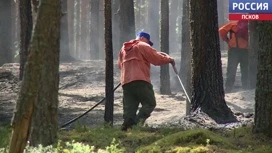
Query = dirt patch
x=82 y=86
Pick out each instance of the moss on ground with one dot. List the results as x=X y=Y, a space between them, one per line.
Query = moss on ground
x=148 y=140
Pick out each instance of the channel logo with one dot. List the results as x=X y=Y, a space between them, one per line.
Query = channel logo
x=250 y=9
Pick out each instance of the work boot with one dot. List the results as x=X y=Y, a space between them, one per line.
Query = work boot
x=140 y=122
x=127 y=125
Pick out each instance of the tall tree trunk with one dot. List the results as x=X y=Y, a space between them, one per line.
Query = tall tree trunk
x=94 y=29
x=153 y=22
x=70 y=9
x=26 y=32
x=226 y=19
x=15 y=30
x=207 y=80
x=186 y=54
x=77 y=28
x=39 y=92
x=253 y=53
x=5 y=32
x=179 y=25
x=140 y=14
x=116 y=28
x=137 y=13
x=173 y=26
x=65 y=55
x=221 y=15
x=109 y=63
x=84 y=30
x=263 y=106
x=101 y=30
x=45 y=114
x=127 y=20
x=226 y=12
x=34 y=6
x=164 y=71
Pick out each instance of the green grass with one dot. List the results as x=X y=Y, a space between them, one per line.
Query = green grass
x=5 y=132
x=163 y=140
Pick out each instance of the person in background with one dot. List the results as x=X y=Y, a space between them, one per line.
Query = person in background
x=134 y=60
x=235 y=33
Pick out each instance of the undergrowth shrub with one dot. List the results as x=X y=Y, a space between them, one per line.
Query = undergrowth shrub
x=75 y=147
x=72 y=147
x=3 y=150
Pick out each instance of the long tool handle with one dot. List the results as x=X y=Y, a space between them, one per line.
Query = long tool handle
x=176 y=71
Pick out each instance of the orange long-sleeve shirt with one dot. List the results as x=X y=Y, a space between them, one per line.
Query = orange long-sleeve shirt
x=231 y=28
x=134 y=61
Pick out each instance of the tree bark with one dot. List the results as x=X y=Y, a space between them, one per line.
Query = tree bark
x=253 y=54
x=39 y=92
x=5 y=32
x=109 y=64
x=221 y=16
x=45 y=115
x=65 y=55
x=84 y=30
x=101 y=30
x=77 y=28
x=75 y=25
x=140 y=15
x=34 y=6
x=94 y=29
x=116 y=28
x=70 y=9
x=26 y=32
x=207 y=79
x=164 y=71
x=127 y=20
x=153 y=22
x=263 y=106
x=186 y=54
x=15 y=36
x=173 y=35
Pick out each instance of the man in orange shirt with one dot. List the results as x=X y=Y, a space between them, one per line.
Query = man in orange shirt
x=237 y=39
x=134 y=62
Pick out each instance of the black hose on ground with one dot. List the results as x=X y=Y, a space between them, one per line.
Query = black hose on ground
x=73 y=120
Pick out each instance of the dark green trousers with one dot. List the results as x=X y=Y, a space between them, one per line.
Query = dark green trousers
x=237 y=56
x=135 y=93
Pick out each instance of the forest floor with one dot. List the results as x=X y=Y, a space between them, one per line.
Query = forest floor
x=82 y=86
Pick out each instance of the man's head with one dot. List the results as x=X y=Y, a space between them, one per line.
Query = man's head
x=145 y=37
